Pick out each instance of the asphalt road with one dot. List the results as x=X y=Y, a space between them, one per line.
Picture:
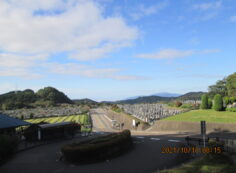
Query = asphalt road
x=145 y=157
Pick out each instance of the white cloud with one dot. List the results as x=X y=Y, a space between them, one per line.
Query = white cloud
x=174 y=53
x=142 y=11
x=80 y=26
x=43 y=27
x=91 y=72
x=208 y=6
x=20 y=65
x=167 y=54
x=232 y=19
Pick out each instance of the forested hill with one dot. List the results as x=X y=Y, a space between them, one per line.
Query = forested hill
x=48 y=96
x=191 y=96
x=145 y=99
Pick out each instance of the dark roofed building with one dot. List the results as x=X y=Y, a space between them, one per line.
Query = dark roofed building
x=8 y=124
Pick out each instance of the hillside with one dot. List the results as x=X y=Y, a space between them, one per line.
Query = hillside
x=47 y=96
x=145 y=99
x=191 y=96
x=85 y=101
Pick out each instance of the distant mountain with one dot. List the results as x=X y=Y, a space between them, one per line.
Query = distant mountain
x=144 y=99
x=156 y=98
x=191 y=96
x=166 y=94
x=84 y=101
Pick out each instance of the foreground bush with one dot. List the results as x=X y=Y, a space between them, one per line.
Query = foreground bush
x=100 y=148
x=8 y=145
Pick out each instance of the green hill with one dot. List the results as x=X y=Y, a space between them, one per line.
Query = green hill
x=47 y=96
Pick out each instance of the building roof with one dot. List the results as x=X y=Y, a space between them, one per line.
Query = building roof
x=10 y=122
x=43 y=126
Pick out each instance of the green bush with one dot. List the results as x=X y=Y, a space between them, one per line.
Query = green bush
x=100 y=148
x=8 y=145
x=232 y=100
x=231 y=109
x=218 y=102
x=210 y=103
x=227 y=100
x=204 y=101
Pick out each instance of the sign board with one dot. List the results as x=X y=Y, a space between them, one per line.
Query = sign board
x=203 y=127
x=134 y=124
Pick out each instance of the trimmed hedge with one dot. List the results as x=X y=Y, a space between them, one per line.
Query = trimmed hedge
x=218 y=102
x=204 y=101
x=97 y=149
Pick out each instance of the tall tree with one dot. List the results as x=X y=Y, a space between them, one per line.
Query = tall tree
x=231 y=85
x=218 y=88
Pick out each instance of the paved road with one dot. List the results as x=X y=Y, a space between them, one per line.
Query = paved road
x=100 y=121
x=146 y=157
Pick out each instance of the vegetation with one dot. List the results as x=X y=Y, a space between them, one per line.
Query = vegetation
x=8 y=145
x=204 y=101
x=178 y=104
x=224 y=87
x=231 y=109
x=100 y=148
x=26 y=99
x=210 y=103
x=207 y=115
x=218 y=102
x=83 y=119
x=191 y=96
x=217 y=163
x=231 y=85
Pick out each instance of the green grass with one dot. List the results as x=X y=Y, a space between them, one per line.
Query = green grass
x=207 y=115
x=207 y=164
x=81 y=119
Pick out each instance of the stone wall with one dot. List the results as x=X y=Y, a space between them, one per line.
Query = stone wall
x=149 y=112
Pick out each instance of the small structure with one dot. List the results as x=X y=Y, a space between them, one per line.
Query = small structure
x=8 y=124
x=51 y=131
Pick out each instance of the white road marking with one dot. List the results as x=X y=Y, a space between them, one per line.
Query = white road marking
x=172 y=140
x=140 y=137
x=155 y=139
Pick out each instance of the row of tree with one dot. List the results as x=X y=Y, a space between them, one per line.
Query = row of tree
x=217 y=104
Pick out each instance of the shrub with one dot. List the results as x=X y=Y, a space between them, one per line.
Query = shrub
x=210 y=103
x=204 y=101
x=232 y=100
x=231 y=109
x=218 y=102
x=178 y=103
x=8 y=144
x=227 y=100
x=99 y=148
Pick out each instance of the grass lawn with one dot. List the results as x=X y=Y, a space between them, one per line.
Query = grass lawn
x=206 y=164
x=207 y=115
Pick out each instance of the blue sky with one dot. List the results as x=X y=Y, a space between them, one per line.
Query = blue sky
x=110 y=50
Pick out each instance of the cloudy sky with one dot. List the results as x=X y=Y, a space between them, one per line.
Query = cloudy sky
x=110 y=50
